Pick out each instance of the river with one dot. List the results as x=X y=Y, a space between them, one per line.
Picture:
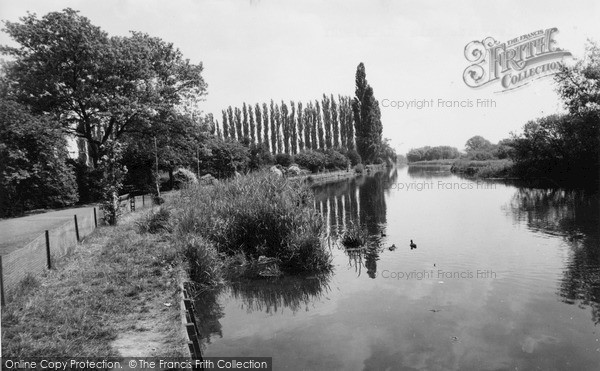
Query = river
x=504 y=276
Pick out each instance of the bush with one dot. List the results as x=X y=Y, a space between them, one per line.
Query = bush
x=354 y=236
x=354 y=157
x=311 y=160
x=183 y=178
x=335 y=160
x=156 y=221
x=260 y=156
x=222 y=158
x=283 y=159
x=260 y=214
x=359 y=169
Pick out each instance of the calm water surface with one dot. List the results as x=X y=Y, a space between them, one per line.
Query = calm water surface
x=503 y=277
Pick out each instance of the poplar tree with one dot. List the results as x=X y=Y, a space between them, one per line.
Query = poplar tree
x=367 y=118
x=327 y=121
x=258 y=123
x=279 y=135
x=252 y=126
x=319 y=123
x=231 y=122
x=225 y=127
x=300 y=128
x=313 y=128
x=265 y=121
x=238 y=124
x=273 y=129
x=335 y=123
x=292 y=126
x=285 y=125
x=245 y=121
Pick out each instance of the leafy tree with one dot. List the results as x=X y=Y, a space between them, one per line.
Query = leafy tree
x=265 y=121
x=273 y=129
x=225 y=125
x=222 y=158
x=285 y=128
x=259 y=137
x=319 y=125
x=33 y=168
x=278 y=132
x=478 y=143
x=293 y=129
x=245 y=121
x=252 y=125
x=335 y=123
x=367 y=118
x=300 y=128
x=238 y=124
x=327 y=122
x=579 y=85
x=314 y=141
x=232 y=125
x=98 y=87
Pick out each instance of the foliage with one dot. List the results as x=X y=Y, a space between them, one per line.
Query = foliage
x=283 y=159
x=354 y=236
x=354 y=157
x=260 y=156
x=359 y=168
x=112 y=180
x=184 y=177
x=335 y=160
x=33 y=157
x=311 y=160
x=222 y=158
x=101 y=87
x=260 y=214
x=484 y=169
x=432 y=153
x=367 y=118
x=205 y=266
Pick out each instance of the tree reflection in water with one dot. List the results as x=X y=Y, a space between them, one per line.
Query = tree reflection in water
x=273 y=294
x=574 y=215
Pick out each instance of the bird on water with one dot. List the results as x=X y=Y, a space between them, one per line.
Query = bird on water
x=412 y=245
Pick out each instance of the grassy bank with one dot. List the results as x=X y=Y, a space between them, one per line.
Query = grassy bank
x=261 y=221
x=443 y=162
x=107 y=299
x=484 y=169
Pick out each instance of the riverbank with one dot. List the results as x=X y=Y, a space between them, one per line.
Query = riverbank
x=333 y=176
x=488 y=169
x=117 y=295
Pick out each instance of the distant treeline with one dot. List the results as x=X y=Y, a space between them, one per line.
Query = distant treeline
x=428 y=153
x=294 y=127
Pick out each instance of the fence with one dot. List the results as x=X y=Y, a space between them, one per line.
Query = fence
x=41 y=253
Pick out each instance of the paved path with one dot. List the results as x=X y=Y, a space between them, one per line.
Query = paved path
x=16 y=233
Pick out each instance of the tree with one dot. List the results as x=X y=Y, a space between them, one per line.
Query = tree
x=273 y=129
x=478 y=143
x=367 y=118
x=265 y=120
x=259 y=137
x=238 y=124
x=327 y=122
x=225 y=125
x=301 y=129
x=245 y=121
x=33 y=162
x=98 y=87
x=252 y=126
x=319 y=125
x=232 y=126
x=285 y=133
x=335 y=123
x=293 y=130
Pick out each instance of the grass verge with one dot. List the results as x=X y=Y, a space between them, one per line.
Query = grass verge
x=107 y=299
x=484 y=169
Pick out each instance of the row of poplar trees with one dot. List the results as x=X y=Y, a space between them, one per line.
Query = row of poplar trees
x=292 y=128
x=350 y=123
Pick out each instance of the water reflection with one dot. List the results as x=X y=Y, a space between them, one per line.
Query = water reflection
x=575 y=216
x=272 y=295
x=364 y=258
x=432 y=171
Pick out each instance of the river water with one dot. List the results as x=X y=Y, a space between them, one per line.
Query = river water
x=504 y=277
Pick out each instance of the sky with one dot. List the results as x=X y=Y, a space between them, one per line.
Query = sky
x=255 y=51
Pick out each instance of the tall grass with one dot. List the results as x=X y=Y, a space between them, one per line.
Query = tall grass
x=260 y=214
x=484 y=169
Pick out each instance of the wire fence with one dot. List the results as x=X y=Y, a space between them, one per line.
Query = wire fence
x=46 y=249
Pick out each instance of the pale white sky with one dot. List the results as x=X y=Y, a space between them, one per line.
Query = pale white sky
x=254 y=51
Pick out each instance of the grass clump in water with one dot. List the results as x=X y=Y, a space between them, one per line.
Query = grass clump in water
x=354 y=236
x=260 y=214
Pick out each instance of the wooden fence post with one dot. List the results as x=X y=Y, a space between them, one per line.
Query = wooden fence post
x=95 y=219
x=76 y=228
x=48 y=258
x=1 y=284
